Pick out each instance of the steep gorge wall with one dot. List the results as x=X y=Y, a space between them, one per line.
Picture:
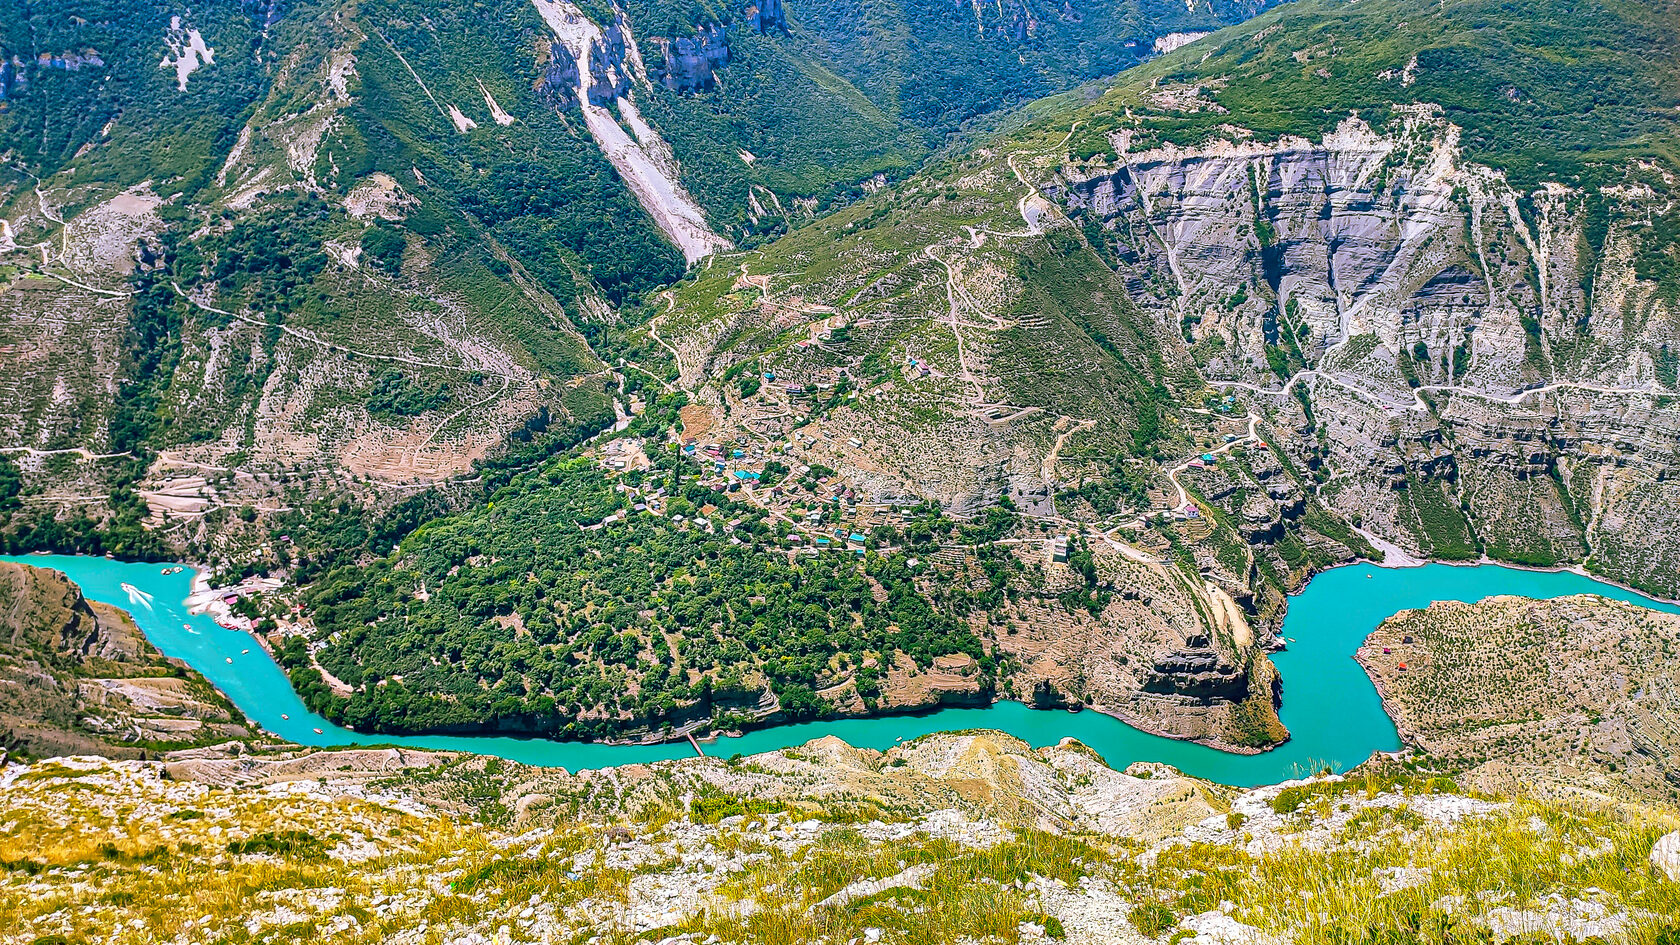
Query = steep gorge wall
x=1495 y=348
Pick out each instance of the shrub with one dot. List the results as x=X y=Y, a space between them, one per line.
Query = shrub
x=1152 y=918
x=293 y=844
x=383 y=248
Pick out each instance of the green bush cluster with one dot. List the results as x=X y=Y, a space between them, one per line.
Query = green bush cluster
x=530 y=614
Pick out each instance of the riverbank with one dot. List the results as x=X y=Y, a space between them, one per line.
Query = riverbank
x=1334 y=715
x=680 y=734
x=1400 y=559
x=218 y=603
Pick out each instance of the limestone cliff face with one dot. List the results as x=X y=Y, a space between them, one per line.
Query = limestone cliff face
x=615 y=63
x=690 y=63
x=767 y=16
x=559 y=83
x=1446 y=330
x=1198 y=671
x=1387 y=237
x=609 y=70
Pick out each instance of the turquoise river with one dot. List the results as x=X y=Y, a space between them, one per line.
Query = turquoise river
x=1332 y=711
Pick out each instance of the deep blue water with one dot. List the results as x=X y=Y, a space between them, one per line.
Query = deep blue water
x=1333 y=713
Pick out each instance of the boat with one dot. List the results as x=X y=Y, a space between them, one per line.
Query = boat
x=230 y=659
x=319 y=732
x=284 y=717
x=243 y=652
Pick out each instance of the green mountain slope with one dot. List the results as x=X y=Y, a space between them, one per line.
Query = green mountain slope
x=1278 y=213
x=1545 y=96
x=357 y=247
x=1221 y=340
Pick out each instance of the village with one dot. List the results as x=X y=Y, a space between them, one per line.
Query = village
x=777 y=453
x=776 y=462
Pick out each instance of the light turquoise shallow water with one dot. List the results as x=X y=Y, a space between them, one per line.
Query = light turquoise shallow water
x=1329 y=706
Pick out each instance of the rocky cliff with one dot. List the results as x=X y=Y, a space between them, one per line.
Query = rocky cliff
x=77 y=676
x=690 y=63
x=767 y=16
x=1452 y=335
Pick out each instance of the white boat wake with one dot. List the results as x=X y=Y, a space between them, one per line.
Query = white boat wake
x=137 y=596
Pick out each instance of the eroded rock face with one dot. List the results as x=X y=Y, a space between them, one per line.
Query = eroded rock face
x=1198 y=671
x=1368 y=241
x=767 y=16
x=78 y=676
x=1478 y=373
x=559 y=82
x=690 y=62
x=609 y=74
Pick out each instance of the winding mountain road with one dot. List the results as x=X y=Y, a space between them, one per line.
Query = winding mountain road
x=1172 y=475
x=78 y=451
x=1417 y=401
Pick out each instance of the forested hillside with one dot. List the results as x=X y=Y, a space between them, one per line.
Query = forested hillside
x=1118 y=370
x=560 y=608
x=354 y=249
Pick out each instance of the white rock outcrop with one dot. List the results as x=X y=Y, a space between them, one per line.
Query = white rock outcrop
x=645 y=160
x=1665 y=855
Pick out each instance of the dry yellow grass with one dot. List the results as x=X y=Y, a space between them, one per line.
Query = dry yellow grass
x=113 y=853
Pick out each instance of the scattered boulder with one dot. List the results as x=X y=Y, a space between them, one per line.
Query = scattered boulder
x=1665 y=855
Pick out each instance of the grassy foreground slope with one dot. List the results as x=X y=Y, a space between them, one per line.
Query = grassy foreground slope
x=951 y=838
